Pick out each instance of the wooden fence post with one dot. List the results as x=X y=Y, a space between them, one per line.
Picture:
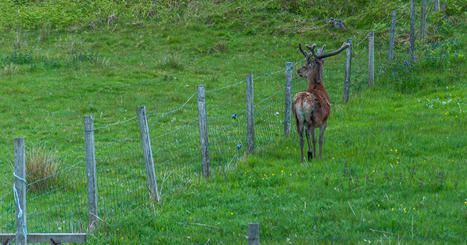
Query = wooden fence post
x=250 y=114
x=20 y=192
x=348 y=65
x=412 y=29
x=288 y=97
x=147 y=151
x=437 y=5
x=422 y=25
x=91 y=171
x=371 y=58
x=391 y=38
x=253 y=234
x=203 y=131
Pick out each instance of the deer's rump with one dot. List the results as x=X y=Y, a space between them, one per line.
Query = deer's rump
x=311 y=108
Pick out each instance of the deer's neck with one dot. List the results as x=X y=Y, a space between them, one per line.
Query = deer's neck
x=315 y=78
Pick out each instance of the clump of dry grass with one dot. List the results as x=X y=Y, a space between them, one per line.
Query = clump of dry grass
x=41 y=169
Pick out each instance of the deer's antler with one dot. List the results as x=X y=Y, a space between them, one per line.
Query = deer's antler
x=312 y=49
x=322 y=50
x=322 y=56
x=303 y=51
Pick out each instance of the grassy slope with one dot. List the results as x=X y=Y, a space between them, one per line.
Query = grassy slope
x=381 y=132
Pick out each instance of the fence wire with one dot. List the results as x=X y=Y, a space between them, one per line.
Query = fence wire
x=58 y=203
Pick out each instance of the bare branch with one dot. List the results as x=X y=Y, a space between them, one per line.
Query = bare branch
x=344 y=46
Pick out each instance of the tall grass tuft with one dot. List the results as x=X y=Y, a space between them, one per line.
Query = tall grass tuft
x=41 y=169
x=170 y=62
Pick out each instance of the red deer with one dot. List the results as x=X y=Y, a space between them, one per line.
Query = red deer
x=311 y=108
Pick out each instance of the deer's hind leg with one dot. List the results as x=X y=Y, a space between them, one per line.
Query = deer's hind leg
x=313 y=137
x=307 y=133
x=300 y=133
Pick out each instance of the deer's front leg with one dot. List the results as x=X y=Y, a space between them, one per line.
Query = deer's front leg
x=321 y=134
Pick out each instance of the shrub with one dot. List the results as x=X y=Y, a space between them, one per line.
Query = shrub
x=41 y=169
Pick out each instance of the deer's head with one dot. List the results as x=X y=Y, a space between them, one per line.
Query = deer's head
x=314 y=62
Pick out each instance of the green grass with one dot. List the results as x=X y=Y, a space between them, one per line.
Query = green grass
x=393 y=164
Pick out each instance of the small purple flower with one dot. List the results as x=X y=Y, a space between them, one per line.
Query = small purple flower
x=393 y=74
x=452 y=42
x=456 y=54
x=239 y=146
x=439 y=44
x=444 y=56
x=389 y=77
x=406 y=63
x=234 y=116
x=433 y=46
x=414 y=58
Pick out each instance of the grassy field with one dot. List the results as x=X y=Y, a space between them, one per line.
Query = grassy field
x=393 y=166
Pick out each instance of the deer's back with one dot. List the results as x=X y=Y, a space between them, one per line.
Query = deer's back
x=312 y=107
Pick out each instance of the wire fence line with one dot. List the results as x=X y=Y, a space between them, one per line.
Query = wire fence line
x=120 y=169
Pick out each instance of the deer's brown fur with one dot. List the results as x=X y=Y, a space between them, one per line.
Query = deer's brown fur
x=311 y=108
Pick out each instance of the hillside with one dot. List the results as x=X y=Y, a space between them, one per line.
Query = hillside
x=393 y=164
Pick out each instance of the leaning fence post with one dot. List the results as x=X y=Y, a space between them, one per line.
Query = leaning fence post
x=20 y=192
x=91 y=171
x=288 y=97
x=391 y=38
x=203 y=131
x=253 y=234
x=437 y=5
x=250 y=115
x=422 y=25
x=147 y=151
x=412 y=29
x=348 y=64
x=371 y=58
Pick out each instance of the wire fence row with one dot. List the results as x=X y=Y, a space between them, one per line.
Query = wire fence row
x=58 y=202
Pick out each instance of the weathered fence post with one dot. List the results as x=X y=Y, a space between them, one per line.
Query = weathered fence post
x=437 y=5
x=412 y=29
x=288 y=97
x=250 y=114
x=20 y=192
x=253 y=234
x=371 y=58
x=348 y=64
x=147 y=151
x=203 y=131
x=423 y=22
x=91 y=171
x=391 y=38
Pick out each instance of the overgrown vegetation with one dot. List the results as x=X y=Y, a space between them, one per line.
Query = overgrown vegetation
x=393 y=165
x=42 y=166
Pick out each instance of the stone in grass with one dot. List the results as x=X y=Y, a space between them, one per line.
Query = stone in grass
x=336 y=23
